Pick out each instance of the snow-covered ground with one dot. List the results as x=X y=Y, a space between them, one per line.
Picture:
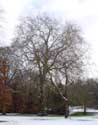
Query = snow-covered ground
x=80 y=109
x=33 y=120
x=15 y=119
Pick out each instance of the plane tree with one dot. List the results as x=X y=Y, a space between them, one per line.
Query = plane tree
x=47 y=46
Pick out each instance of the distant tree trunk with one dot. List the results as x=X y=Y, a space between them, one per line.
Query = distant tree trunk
x=66 y=109
x=14 y=102
x=41 y=100
x=84 y=112
x=66 y=95
x=4 y=110
x=66 y=106
x=30 y=103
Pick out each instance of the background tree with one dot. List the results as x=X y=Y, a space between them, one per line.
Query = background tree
x=5 y=91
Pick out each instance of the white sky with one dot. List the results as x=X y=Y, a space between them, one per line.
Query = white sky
x=82 y=12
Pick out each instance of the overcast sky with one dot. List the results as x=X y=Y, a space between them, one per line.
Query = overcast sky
x=82 y=12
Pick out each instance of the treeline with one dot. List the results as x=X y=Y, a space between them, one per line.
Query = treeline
x=46 y=65
x=25 y=94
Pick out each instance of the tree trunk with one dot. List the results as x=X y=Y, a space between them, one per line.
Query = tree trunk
x=66 y=109
x=84 y=106
x=65 y=98
x=41 y=100
x=66 y=95
x=66 y=105
x=3 y=110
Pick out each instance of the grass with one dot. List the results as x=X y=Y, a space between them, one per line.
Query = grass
x=25 y=114
x=82 y=114
x=57 y=115
x=49 y=115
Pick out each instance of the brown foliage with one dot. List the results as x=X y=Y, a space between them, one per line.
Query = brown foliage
x=5 y=91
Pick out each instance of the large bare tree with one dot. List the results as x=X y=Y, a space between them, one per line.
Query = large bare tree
x=46 y=46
